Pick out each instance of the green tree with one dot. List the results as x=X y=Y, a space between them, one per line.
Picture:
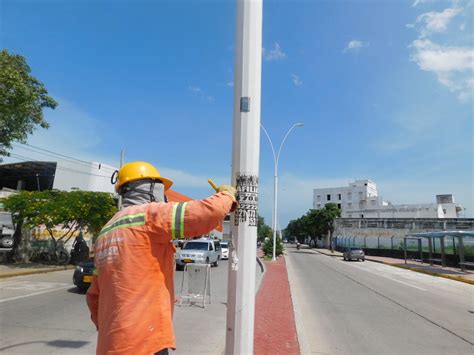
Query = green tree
x=263 y=230
x=327 y=216
x=22 y=100
x=315 y=223
x=75 y=210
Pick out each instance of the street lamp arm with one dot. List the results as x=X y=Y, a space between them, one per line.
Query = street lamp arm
x=283 y=141
x=271 y=145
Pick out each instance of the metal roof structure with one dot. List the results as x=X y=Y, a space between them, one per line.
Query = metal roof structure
x=31 y=175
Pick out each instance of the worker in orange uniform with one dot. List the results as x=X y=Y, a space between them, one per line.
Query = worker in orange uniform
x=131 y=298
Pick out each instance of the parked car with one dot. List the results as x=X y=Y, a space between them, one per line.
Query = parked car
x=224 y=250
x=199 y=251
x=82 y=277
x=354 y=253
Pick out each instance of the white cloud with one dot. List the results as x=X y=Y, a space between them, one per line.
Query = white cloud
x=437 y=21
x=276 y=53
x=418 y=2
x=73 y=132
x=184 y=179
x=453 y=66
x=355 y=46
x=200 y=92
x=296 y=80
x=433 y=57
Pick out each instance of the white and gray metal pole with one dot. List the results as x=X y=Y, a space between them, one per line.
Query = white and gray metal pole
x=276 y=158
x=245 y=166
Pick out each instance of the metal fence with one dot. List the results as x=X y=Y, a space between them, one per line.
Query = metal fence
x=396 y=243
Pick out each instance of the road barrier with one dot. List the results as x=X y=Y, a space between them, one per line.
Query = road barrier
x=196 y=285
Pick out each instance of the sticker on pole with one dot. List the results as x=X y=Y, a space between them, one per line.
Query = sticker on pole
x=247 y=197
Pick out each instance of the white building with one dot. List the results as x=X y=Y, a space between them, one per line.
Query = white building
x=60 y=175
x=360 y=199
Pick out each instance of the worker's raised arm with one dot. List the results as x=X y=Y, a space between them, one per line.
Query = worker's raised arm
x=197 y=217
x=189 y=219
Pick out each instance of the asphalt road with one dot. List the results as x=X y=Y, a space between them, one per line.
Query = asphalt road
x=370 y=308
x=45 y=313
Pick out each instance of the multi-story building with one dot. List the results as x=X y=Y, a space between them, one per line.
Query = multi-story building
x=360 y=199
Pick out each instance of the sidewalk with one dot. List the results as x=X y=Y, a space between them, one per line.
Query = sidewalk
x=435 y=270
x=275 y=328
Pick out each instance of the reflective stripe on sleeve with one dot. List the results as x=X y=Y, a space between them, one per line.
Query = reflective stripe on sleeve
x=177 y=220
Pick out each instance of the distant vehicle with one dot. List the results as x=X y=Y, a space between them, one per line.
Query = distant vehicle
x=6 y=230
x=199 y=251
x=224 y=250
x=82 y=277
x=354 y=253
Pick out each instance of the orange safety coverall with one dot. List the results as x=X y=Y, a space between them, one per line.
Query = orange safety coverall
x=131 y=298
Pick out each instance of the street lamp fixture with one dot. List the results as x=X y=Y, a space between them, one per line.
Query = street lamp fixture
x=276 y=158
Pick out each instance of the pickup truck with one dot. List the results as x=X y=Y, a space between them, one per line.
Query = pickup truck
x=199 y=251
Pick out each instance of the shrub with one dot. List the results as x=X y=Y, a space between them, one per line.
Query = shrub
x=268 y=247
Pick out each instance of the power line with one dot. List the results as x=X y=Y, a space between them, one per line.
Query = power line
x=69 y=158
x=23 y=158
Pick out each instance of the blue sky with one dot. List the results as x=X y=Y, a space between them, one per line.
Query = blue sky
x=384 y=89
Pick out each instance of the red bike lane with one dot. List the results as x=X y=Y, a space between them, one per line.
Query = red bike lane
x=275 y=328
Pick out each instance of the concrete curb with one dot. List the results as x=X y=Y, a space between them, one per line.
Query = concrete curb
x=34 y=271
x=261 y=264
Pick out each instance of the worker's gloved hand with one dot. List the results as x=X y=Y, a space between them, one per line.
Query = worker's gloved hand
x=233 y=191
x=228 y=188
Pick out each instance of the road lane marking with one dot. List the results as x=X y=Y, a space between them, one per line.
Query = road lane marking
x=40 y=287
x=29 y=285
x=388 y=277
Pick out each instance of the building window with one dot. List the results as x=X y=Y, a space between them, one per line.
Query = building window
x=339 y=197
x=372 y=202
x=339 y=205
x=318 y=205
x=444 y=210
x=349 y=205
x=329 y=197
x=349 y=215
x=360 y=195
x=349 y=195
x=318 y=198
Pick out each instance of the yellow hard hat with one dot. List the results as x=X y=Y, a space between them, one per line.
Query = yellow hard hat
x=138 y=170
